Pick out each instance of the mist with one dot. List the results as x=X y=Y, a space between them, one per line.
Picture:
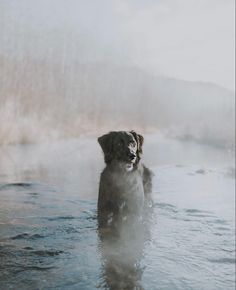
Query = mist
x=73 y=70
x=69 y=68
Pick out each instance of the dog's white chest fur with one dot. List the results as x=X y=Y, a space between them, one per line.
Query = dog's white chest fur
x=128 y=192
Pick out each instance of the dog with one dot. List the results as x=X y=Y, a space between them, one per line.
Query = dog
x=125 y=183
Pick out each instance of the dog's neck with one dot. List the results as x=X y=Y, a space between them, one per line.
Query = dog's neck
x=122 y=166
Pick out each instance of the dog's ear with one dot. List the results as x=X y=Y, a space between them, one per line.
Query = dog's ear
x=105 y=142
x=139 y=139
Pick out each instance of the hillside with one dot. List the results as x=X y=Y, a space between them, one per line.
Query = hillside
x=52 y=100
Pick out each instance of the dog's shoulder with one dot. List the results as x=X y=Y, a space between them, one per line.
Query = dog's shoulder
x=145 y=171
x=147 y=176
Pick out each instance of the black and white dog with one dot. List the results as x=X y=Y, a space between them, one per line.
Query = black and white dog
x=125 y=183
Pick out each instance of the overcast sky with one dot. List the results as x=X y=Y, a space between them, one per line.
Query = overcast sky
x=184 y=39
x=187 y=39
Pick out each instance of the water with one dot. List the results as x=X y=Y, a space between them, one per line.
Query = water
x=48 y=227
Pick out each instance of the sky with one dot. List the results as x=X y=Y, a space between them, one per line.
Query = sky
x=185 y=39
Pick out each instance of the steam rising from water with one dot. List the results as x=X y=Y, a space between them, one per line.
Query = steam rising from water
x=64 y=74
x=75 y=67
x=51 y=102
x=49 y=234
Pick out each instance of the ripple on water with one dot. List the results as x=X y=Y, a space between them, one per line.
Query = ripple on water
x=166 y=206
x=46 y=253
x=33 y=186
x=223 y=260
x=16 y=184
x=27 y=236
x=58 y=218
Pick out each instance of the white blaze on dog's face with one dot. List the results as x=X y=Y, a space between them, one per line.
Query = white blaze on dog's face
x=125 y=147
x=122 y=146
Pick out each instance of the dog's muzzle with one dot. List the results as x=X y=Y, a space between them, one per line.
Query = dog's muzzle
x=131 y=156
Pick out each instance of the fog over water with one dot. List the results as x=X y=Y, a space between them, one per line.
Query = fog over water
x=48 y=225
x=71 y=70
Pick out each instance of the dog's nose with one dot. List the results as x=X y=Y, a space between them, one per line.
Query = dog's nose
x=132 y=156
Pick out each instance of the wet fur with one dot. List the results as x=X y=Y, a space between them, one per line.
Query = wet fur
x=122 y=191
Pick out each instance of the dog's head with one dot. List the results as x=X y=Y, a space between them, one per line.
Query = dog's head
x=122 y=146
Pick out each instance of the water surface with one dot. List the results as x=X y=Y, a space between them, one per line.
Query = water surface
x=48 y=227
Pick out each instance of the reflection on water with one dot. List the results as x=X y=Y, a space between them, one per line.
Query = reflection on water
x=49 y=236
x=122 y=249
